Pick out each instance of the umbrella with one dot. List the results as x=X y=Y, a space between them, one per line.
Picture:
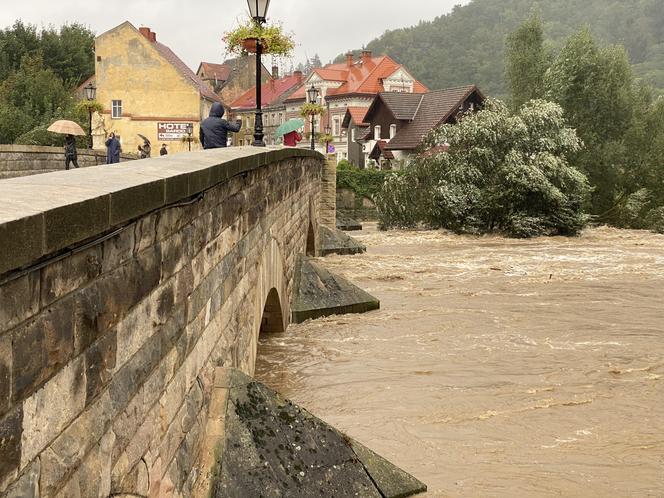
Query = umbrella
x=288 y=126
x=65 y=127
x=144 y=138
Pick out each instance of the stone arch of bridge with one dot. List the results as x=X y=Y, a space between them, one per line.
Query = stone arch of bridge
x=271 y=308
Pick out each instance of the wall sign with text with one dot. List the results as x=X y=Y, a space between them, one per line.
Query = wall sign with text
x=173 y=131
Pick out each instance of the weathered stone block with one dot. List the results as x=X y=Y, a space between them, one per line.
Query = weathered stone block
x=76 y=222
x=100 y=360
x=5 y=372
x=41 y=348
x=63 y=277
x=118 y=250
x=22 y=241
x=11 y=429
x=62 y=399
x=19 y=300
x=131 y=203
x=27 y=485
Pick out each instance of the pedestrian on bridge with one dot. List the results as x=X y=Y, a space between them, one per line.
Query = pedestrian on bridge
x=71 y=154
x=214 y=130
x=113 y=149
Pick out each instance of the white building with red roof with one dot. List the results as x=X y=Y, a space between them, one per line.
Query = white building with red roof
x=351 y=85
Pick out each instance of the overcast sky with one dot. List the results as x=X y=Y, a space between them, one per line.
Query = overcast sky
x=193 y=29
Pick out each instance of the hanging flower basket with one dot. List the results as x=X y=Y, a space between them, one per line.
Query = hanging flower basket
x=310 y=109
x=250 y=45
x=274 y=40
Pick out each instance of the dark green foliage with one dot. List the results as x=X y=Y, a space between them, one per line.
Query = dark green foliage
x=503 y=172
x=526 y=62
x=468 y=45
x=364 y=182
x=39 y=71
x=595 y=87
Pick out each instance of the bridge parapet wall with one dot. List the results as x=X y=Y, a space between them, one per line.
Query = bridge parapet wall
x=25 y=160
x=121 y=289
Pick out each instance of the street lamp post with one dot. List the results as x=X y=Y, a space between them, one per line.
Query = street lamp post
x=90 y=94
x=190 y=134
x=312 y=93
x=328 y=132
x=258 y=11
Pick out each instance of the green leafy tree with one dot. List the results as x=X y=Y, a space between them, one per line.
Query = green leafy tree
x=595 y=87
x=526 y=62
x=503 y=172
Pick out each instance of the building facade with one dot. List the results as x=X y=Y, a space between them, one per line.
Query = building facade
x=146 y=90
x=233 y=78
x=398 y=123
x=273 y=94
x=352 y=84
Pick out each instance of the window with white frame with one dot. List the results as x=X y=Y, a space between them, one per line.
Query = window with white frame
x=116 y=109
x=352 y=135
x=393 y=131
x=336 y=128
x=377 y=132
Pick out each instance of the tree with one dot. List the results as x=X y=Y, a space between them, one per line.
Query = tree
x=31 y=96
x=595 y=87
x=502 y=172
x=526 y=61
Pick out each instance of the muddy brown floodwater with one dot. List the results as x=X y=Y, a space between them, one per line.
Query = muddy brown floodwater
x=495 y=367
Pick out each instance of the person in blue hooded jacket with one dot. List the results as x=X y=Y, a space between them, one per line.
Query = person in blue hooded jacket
x=113 y=149
x=214 y=130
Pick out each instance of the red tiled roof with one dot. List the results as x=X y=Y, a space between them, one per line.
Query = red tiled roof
x=364 y=76
x=356 y=115
x=186 y=72
x=270 y=92
x=211 y=71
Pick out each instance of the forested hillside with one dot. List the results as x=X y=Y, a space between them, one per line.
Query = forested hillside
x=467 y=46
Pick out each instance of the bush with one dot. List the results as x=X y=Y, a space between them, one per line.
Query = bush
x=502 y=172
x=364 y=182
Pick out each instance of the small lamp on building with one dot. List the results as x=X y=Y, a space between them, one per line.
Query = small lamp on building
x=258 y=11
x=90 y=94
x=312 y=95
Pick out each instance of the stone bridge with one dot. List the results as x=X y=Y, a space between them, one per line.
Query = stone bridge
x=24 y=160
x=121 y=289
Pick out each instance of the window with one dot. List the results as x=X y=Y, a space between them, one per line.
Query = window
x=336 y=129
x=377 y=132
x=352 y=135
x=116 y=109
x=281 y=118
x=393 y=131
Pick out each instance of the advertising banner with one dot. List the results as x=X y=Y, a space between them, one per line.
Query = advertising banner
x=173 y=131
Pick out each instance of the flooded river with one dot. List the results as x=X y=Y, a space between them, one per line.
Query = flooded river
x=495 y=367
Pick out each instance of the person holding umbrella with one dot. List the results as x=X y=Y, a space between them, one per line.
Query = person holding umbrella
x=289 y=132
x=69 y=129
x=146 y=149
x=71 y=154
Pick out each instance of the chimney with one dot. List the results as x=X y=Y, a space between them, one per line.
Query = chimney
x=145 y=32
x=275 y=72
x=298 y=75
x=349 y=59
x=366 y=56
x=153 y=37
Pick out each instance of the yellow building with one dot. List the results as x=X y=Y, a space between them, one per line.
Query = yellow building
x=146 y=89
